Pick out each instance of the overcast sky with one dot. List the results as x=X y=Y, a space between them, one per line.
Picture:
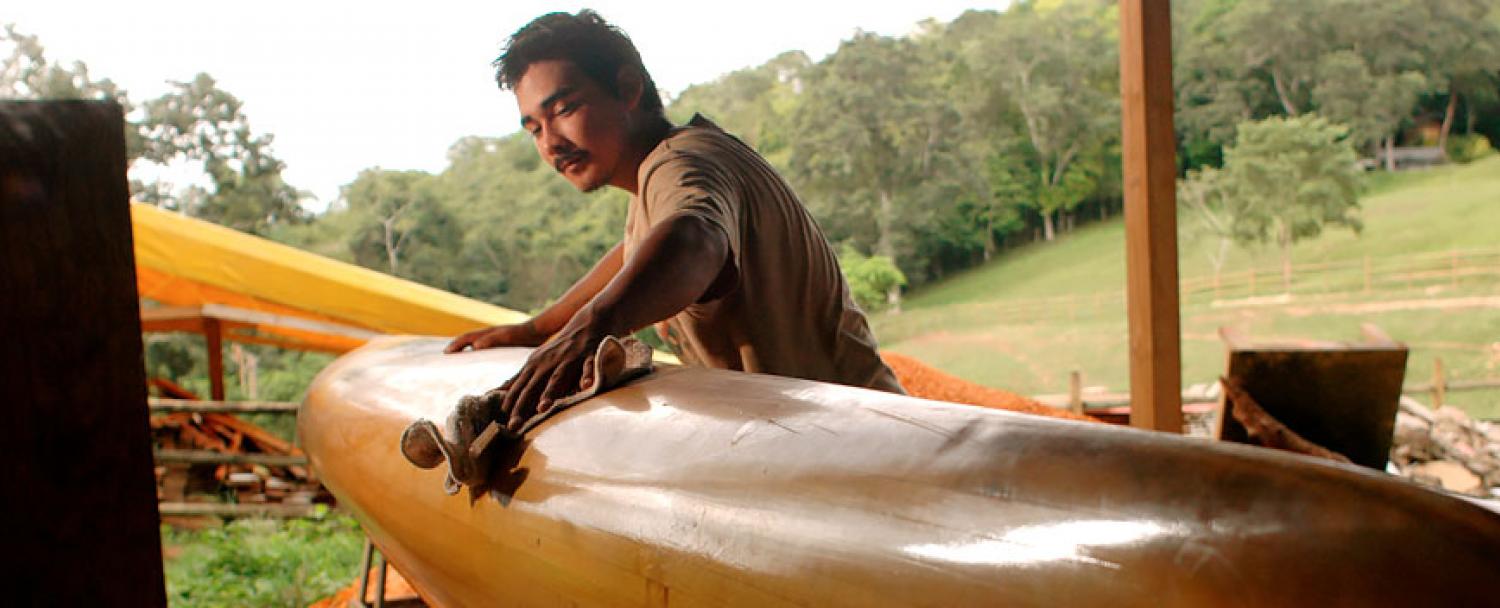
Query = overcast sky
x=350 y=85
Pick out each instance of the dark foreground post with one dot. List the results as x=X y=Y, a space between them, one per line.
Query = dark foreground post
x=79 y=524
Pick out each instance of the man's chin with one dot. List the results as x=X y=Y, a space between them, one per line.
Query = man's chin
x=590 y=185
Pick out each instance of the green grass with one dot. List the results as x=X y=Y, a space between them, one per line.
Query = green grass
x=963 y=326
x=261 y=562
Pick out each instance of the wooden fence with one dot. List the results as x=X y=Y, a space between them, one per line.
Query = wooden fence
x=1352 y=278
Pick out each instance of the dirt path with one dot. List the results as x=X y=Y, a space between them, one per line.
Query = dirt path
x=1359 y=308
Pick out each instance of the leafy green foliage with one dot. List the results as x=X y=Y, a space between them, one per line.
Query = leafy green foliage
x=1469 y=148
x=1294 y=176
x=961 y=323
x=261 y=562
x=199 y=122
x=870 y=278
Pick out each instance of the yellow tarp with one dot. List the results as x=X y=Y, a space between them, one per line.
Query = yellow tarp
x=181 y=261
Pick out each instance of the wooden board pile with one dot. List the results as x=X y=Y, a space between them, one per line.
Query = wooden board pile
x=226 y=434
x=1445 y=448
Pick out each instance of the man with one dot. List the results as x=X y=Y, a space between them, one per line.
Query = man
x=718 y=250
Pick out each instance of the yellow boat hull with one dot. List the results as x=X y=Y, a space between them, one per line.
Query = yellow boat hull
x=703 y=487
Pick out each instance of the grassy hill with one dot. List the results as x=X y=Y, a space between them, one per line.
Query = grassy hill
x=1025 y=320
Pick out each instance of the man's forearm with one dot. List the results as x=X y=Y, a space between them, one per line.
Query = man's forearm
x=585 y=289
x=674 y=267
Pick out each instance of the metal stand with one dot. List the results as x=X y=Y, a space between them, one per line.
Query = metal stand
x=358 y=601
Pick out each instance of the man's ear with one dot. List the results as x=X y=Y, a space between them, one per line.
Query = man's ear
x=632 y=86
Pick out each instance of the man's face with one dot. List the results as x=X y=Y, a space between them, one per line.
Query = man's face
x=578 y=126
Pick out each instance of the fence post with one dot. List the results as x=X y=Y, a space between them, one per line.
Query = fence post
x=1075 y=392
x=1439 y=385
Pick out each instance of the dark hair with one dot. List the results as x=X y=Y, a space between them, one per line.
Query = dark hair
x=586 y=39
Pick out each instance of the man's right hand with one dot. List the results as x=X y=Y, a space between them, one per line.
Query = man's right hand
x=520 y=334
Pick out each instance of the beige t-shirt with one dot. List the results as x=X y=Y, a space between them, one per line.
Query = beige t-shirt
x=788 y=311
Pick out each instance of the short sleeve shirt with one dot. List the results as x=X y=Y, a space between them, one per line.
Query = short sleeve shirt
x=786 y=309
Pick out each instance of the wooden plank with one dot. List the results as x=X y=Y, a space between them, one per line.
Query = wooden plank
x=212 y=457
x=1451 y=386
x=264 y=438
x=1150 y=176
x=222 y=509
x=229 y=407
x=79 y=490
x=1343 y=397
x=213 y=335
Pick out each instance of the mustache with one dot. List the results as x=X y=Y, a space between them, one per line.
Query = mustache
x=560 y=161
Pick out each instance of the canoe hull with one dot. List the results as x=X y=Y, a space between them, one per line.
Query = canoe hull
x=706 y=487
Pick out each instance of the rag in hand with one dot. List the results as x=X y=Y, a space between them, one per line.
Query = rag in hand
x=472 y=431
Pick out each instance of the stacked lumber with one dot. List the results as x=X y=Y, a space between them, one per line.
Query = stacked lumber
x=263 y=468
x=1445 y=448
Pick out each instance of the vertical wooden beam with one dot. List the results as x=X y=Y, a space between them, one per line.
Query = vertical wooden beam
x=1439 y=383
x=213 y=337
x=1150 y=171
x=76 y=483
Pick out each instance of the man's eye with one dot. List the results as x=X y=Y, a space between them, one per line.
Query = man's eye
x=567 y=109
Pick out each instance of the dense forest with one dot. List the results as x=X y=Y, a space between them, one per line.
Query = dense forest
x=928 y=153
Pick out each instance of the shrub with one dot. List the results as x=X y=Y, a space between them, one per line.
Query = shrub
x=261 y=562
x=1468 y=148
x=870 y=278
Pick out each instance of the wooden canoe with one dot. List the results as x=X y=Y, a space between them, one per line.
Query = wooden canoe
x=702 y=487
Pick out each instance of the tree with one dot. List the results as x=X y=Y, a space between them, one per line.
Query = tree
x=1460 y=44
x=872 y=143
x=752 y=103
x=26 y=73
x=398 y=219
x=527 y=234
x=870 y=278
x=1056 y=71
x=1289 y=178
x=1204 y=193
x=200 y=122
x=1373 y=105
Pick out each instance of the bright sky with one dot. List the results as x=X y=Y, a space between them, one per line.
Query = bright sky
x=350 y=85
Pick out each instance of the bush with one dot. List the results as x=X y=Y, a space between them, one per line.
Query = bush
x=261 y=562
x=869 y=277
x=1468 y=148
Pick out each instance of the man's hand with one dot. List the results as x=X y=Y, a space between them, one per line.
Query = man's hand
x=520 y=334
x=552 y=371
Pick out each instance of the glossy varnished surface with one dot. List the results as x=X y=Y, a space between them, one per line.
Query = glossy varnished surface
x=703 y=487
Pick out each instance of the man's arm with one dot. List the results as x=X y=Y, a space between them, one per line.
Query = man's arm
x=682 y=259
x=536 y=330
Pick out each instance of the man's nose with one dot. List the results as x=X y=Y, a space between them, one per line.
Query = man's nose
x=554 y=143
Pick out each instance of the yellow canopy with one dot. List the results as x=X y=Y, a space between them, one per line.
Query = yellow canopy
x=285 y=295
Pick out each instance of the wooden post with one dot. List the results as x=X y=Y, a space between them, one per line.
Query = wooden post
x=1439 y=386
x=213 y=337
x=78 y=492
x=1150 y=176
x=1075 y=392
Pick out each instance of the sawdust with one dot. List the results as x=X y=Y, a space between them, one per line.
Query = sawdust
x=396 y=589
x=924 y=381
